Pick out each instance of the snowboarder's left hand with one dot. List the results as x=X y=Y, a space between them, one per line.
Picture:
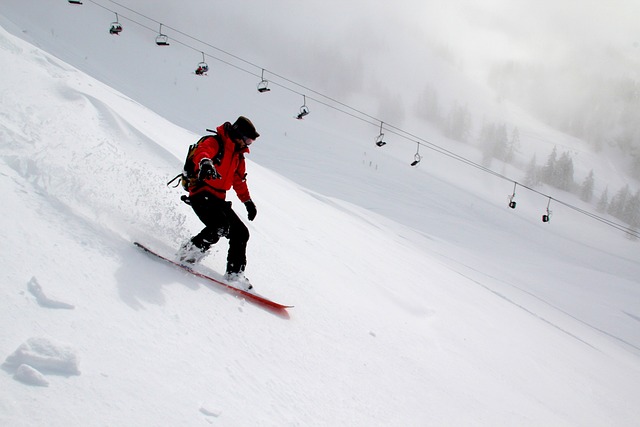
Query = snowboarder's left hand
x=251 y=209
x=207 y=170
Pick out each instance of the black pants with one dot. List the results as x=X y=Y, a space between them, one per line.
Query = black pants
x=221 y=221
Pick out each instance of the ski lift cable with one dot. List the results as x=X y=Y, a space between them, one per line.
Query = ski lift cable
x=305 y=88
x=420 y=141
x=353 y=112
x=154 y=30
x=436 y=148
x=175 y=40
x=177 y=31
x=585 y=212
x=274 y=83
x=301 y=86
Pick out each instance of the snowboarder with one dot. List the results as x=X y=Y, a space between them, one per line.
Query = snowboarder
x=220 y=165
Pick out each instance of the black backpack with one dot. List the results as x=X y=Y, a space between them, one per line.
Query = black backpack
x=188 y=177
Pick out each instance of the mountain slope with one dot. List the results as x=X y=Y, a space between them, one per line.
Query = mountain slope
x=391 y=325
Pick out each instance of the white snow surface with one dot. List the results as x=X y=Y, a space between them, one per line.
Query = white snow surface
x=420 y=297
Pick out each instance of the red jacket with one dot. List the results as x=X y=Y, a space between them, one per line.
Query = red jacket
x=231 y=166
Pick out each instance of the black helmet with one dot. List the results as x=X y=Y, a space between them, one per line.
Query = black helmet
x=245 y=128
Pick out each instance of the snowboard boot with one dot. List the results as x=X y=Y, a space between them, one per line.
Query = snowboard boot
x=238 y=280
x=190 y=253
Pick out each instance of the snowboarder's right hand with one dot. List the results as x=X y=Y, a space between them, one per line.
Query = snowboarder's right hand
x=207 y=170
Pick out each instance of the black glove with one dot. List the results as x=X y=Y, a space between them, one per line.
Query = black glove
x=251 y=210
x=207 y=170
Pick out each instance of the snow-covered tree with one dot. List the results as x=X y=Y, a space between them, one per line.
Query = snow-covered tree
x=496 y=142
x=603 y=203
x=631 y=210
x=458 y=123
x=616 y=207
x=547 y=174
x=564 y=172
x=586 y=190
x=514 y=143
x=532 y=176
x=558 y=172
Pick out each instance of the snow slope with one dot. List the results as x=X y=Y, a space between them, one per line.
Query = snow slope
x=481 y=315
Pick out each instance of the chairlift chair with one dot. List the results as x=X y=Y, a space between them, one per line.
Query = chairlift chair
x=263 y=86
x=115 y=28
x=546 y=217
x=417 y=157
x=202 y=67
x=304 y=110
x=75 y=2
x=380 y=138
x=512 y=203
x=162 y=39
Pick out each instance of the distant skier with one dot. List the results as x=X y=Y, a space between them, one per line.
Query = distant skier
x=220 y=165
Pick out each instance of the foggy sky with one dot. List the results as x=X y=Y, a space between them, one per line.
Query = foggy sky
x=387 y=54
x=477 y=32
x=386 y=49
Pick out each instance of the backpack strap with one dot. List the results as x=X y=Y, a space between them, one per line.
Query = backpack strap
x=217 y=159
x=175 y=179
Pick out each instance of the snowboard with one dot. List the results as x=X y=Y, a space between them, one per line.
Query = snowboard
x=247 y=295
